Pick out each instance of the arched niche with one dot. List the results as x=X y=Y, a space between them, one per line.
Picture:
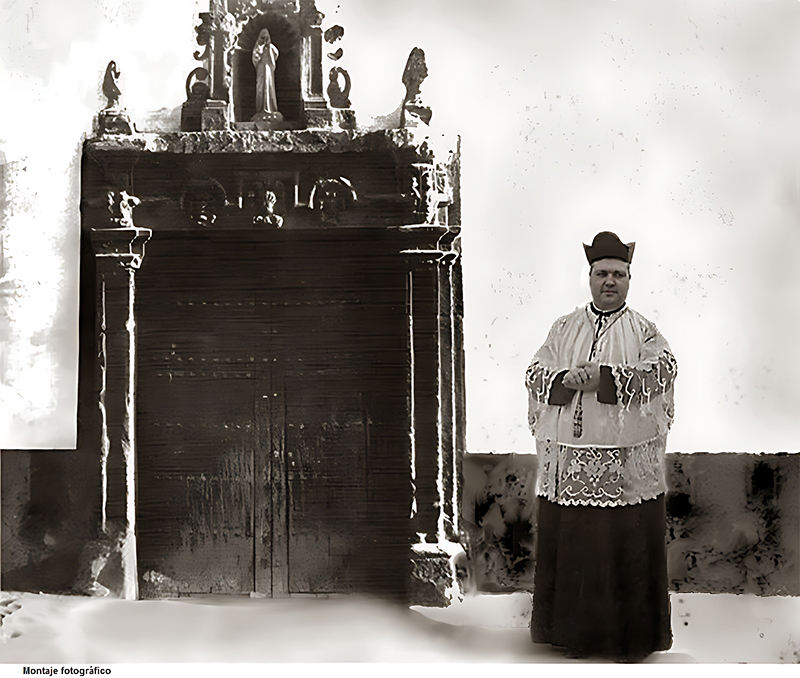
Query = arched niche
x=286 y=37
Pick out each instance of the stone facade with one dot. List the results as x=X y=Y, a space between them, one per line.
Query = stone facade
x=271 y=375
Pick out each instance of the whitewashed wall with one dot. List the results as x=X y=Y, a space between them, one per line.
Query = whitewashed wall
x=673 y=123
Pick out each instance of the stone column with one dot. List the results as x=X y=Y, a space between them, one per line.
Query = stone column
x=316 y=112
x=434 y=329
x=118 y=254
x=424 y=387
x=448 y=519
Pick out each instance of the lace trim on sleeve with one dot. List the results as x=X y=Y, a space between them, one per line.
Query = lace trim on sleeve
x=539 y=380
x=639 y=384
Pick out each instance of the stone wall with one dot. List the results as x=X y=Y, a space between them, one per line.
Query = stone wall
x=733 y=522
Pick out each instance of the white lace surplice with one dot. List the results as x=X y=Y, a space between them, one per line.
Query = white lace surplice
x=603 y=454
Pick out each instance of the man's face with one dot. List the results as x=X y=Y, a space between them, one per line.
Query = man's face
x=609 y=281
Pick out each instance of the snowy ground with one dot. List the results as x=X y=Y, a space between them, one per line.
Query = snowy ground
x=44 y=629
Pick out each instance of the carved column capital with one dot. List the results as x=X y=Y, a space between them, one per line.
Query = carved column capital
x=120 y=246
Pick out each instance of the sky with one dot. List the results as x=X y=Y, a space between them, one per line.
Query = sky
x=672 y=124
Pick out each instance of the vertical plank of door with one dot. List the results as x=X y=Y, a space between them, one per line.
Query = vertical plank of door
x=262 y=482
x=278 y=485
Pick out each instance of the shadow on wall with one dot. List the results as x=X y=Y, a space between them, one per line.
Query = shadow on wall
x=733 y=523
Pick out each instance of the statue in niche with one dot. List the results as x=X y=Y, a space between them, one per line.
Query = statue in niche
x=267 y=215
x=416 y=71
x=339 y=96
x=265 y=58
x=121 y=205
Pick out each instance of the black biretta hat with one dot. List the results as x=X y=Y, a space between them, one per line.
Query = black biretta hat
x=606 y=245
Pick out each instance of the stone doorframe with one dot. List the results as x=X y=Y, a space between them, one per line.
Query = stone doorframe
x=434 y=322
x=118 y=253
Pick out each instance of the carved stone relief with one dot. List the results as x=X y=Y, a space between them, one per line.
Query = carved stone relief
x=203 y=201
x=121 y=205
x=267 y=215
x=276 y=87
x=431 y=188
x=331 y=197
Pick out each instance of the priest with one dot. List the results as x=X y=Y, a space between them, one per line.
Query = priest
x=600 y=405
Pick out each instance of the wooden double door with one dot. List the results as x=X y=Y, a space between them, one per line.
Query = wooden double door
x=272 y=414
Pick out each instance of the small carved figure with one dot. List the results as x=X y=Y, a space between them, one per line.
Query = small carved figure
x=415 y=72
x=268 y=215
x=203 y=201
x=265 y=57
x=111 y=88
x=121 y=205
x=332 y=197
x=339 y=96
x=431 y=190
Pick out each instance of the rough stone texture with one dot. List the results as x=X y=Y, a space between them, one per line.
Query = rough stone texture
x=383 y=168
x=114 y=122
x=318 y=117
x=431 y=576
x=733 y=522
x=344 y=118
x=498 y=518
x=251 y=142
x=214 y=116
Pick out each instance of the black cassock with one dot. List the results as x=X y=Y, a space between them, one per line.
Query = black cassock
x=600 y=583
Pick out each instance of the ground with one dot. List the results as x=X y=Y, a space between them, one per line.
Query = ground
x=47 y=629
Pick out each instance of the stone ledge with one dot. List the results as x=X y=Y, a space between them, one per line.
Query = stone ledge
x=308 y=141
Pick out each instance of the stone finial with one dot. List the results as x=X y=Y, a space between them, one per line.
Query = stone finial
x=415 y=72
x=113 y=119
x=111 y=89
x=121 y=205
x=339 y=95
x=197 y=85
